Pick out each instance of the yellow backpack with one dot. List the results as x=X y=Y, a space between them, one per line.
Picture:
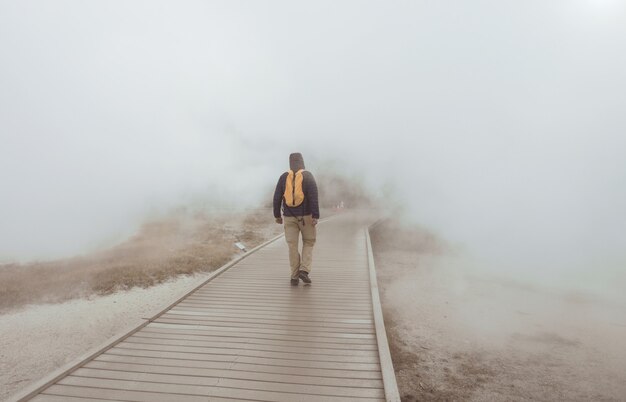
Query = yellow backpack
x=294 y=195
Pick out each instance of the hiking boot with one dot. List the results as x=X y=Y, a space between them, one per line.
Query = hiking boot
x=294 y=282
x=305 y=277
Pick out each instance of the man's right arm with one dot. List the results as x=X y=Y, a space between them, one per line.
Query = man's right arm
x=278 y=196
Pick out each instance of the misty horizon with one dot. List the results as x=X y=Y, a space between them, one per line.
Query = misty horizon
x=499 y=126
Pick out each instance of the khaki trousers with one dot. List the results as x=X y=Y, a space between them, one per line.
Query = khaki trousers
x=293 y=227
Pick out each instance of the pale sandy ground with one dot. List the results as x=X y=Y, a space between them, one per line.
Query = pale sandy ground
x=459 y=336
x=40 y=338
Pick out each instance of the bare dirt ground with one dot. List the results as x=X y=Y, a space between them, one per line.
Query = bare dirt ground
x=457 y=336
x=184 y=242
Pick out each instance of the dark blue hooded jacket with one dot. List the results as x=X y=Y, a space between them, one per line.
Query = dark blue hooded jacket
x=310 y=206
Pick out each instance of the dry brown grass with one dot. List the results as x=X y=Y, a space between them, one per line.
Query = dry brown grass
x=180 y=244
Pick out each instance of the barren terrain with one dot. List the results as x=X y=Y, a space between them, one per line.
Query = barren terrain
x=182 y=243
x=458 y=336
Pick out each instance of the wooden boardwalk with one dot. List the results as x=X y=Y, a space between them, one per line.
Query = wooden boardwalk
x=248 y=335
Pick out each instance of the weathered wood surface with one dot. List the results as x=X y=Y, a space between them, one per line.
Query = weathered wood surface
x=249 y=335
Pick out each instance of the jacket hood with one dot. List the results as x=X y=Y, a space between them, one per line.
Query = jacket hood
x=296 y=162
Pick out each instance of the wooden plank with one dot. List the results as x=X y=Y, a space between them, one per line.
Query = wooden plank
x=284 y=306
x=285 y=314
x=284 y=286
x=321 y=317
x=304 y=307
x=251 y=307
x=216 y=322
x=351 y=342
x=280 y=312
x=197 y=390
x=112 y=356
x=270 y=361
x=287 y=290
x=292 y=332
x=299 y=343
x=273 y=276
x=293 y=291
x=311 y=304
x=278 y=257
x=303 y=310
x=307 y=295
x=288 y=298
x=249 y=352
x=163 y=354
x=328 y=282
x=325 y=283
x=257 y=368
x=270 y=317
x=302 y=349
x=291 y=316
x=121 y=395
x=242 y=375
x=330 y=326
x=213 y=381
x=317 y=301
x=55 y=398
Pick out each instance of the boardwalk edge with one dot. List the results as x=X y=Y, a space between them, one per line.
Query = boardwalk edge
x=386 y=364
x=66 y=369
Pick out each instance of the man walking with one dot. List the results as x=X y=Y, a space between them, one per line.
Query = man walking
x=296 y=192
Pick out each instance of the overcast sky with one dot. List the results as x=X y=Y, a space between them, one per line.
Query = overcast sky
x=500 y=125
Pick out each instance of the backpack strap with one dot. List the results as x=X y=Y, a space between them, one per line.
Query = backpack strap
x=285 y=206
